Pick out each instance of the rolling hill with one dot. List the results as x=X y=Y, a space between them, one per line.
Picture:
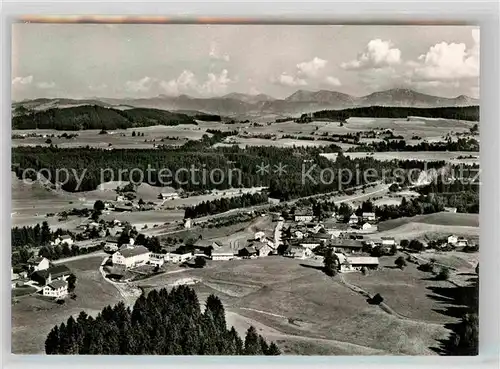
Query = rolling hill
x=234 y=104
x=97 y=117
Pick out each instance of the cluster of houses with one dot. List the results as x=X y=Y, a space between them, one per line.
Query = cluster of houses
x=52 y=278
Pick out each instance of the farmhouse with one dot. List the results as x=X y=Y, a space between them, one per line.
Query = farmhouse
x=169 y=195
x=369 y=217
x=111 y=244
x=303 y=216
x=38 y=263
x=179 y=258
x=57 y=272
x=57 y=289
x=156 y=259
x=353 y=219
x=131 y=257
x=188 y=223
x=63 y=239
x=450 y=210
x=366 y=226
x=346 y=245
x=462 y=242
x=222 y=255
x=123 y=208
x=388 y=241
x=452 y=239
x=351 y=264
x=298 y=252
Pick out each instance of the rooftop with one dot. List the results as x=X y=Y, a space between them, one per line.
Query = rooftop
x=57 y=284
x=55 y=271
x=346 y=243
x=138 y=250
x=367 y=260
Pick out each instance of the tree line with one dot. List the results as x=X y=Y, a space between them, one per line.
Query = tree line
x=97 y=117
x=224 y=204
x=161 y=323
x=452 y=112
x=231 y=167
x=462 y=144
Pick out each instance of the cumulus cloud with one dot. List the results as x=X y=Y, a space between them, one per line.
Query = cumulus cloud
x=187 y=83
x=45 y=85
x=377 y=54
x=448 y=61
x=311 y=68
x=216 y=54
x=22 y=80
x=289 y=80
x=332 y=81
x=142 y=85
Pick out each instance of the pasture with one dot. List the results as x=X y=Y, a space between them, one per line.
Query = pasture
x=294 y=302
x=34 y=316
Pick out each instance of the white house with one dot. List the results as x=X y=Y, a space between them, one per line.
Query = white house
x=356 y=263
x=179 y=258
x=120 y=198
x=111 y=244
x=452 y=239
x=222 y=255
x=366 y=226
x=131 y=257
x=303 y=217
x=388 y=241
x=157 y=259
x=298 y=252
x=462 y=242
x=188 y=223
x=450 y=210
x=57 y=289
x=38 y=263
x=353 y=219
x=169 y=195
x=369 y=217
x=63 y=239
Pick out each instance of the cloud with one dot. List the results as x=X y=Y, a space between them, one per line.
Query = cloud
x=332 y=81
x=187 y=83
x=22 y=80
x=254 y=91
x=141 y=85
x=377 y=54
x=289 y=81
x=45 y=85
x=215 y=53
x=311 y=68
x=445 y=61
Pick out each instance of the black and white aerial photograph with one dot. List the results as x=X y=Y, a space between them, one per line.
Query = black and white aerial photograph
x=244 y=189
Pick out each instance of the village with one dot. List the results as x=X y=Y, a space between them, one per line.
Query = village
x=129 y=255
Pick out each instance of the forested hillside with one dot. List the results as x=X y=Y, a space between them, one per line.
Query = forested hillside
x=453 y=112
x=195 y=168
x=163 y=323
x=97 y=117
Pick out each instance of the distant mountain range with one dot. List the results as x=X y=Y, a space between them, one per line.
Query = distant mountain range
x=239 y=104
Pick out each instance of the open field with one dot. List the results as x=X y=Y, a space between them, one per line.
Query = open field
x=443 y=218
x=293 y=298
x=119 y=139
x=34 y=316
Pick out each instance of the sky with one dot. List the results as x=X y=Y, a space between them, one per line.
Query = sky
x=143 y=60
